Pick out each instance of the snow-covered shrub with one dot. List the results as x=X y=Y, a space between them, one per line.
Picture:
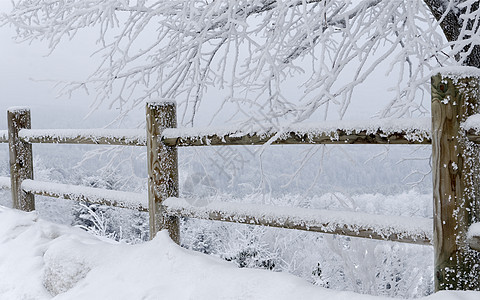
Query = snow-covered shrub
x=94 y=218
x=202 y=236
x=247 y=249
x=115 y=223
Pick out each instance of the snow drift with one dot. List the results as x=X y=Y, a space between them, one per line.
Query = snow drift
x=42 y=260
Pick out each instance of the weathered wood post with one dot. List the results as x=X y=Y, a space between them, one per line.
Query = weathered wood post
x=21 y=162
x=454 y=163
x=162 y=167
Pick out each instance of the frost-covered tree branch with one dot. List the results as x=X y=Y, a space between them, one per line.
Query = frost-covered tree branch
x=254 y=53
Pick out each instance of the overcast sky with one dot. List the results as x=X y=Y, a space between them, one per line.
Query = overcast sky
x=26 y=69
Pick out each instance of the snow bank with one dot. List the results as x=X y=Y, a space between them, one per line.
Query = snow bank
x=41 y=260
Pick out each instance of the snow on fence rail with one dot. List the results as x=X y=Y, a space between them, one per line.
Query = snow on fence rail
x=386 y=131
x=403 y=131
x=125 y=137
x=389 y=131
x=392 y=228
x=121 y=199
x=455 y=126
x=371 y=132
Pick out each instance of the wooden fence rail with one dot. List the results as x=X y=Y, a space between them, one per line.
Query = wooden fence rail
x=393 y=228
x=373 y=132
x=121 y=137
x=455 y=169
x=120 y=199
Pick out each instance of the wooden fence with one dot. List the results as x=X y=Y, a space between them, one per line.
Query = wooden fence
x=455 y=168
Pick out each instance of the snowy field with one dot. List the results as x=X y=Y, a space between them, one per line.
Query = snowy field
x=42 y=260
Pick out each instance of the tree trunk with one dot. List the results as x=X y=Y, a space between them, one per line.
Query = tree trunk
x=452 y=25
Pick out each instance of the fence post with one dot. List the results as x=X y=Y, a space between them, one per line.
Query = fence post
x=454 y=164
x=162 y=167
x=21 y=162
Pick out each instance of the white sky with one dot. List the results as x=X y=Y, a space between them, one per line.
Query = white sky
x=25 y=67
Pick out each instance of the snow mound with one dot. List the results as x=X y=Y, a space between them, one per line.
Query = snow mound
x=41 y=260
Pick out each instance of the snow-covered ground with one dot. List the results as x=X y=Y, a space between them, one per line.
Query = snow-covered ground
x=43 y=260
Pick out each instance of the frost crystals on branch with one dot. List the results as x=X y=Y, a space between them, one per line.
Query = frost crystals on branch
x=257 y=52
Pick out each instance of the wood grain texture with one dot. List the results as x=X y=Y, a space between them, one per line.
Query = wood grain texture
x=162 y=163
x=454 y=163
x=21 y=161
x=337 y=137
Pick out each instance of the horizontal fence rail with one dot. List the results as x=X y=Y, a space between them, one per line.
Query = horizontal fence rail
x=406 y=131
x=124 y=137
x=354 y=224
x=292 y=138
x=372 y=132
x=114 y=198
